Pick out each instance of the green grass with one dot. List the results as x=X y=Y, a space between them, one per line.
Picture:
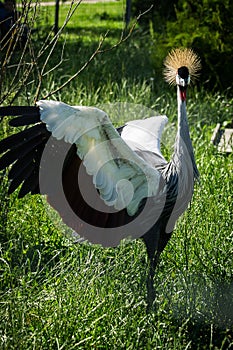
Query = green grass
x=89 y=22
x=57 y=295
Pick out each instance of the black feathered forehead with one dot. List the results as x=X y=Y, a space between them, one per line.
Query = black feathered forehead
x=183 y=72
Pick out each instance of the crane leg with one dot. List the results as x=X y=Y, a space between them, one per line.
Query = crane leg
x=155 y=242
x=151 y=293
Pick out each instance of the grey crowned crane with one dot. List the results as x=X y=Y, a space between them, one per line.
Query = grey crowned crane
x=107 y=184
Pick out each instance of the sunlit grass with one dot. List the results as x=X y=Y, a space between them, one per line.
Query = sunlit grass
x=89 y=22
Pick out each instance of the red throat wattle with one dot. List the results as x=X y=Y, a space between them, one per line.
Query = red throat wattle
x=183 y=94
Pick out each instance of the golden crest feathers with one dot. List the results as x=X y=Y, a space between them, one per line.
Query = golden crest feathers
x=178 y=58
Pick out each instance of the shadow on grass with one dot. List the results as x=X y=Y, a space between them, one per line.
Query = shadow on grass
x=130 y=59
x=205 y=312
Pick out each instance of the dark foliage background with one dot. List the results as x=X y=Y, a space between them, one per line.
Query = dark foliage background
x=204 y=25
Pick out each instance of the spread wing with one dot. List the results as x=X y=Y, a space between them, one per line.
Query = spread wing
x=121 y=177
x=90 y=175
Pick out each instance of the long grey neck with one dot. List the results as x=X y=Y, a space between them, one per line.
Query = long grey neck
x=183 y=151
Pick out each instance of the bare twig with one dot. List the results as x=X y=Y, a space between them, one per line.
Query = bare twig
x=79 y=71
x=52 y=45
x=15 y=32
x=98 y=51
x=28 y=69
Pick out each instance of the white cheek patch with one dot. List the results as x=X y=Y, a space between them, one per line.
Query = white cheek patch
x=182 y=82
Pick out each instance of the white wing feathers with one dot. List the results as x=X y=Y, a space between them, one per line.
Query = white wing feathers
x=145 y=134
x=122 y=178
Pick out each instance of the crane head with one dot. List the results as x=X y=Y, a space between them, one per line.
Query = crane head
x=181 y=67
x=182 y=76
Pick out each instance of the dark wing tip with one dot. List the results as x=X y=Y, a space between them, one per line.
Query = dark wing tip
x=26 y=115
x=12 y=111
x=23 y=150
x=25 y=120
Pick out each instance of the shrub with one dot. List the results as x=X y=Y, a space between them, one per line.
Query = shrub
x=204 y=25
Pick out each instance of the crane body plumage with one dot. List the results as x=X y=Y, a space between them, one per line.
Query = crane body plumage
x=106 y=184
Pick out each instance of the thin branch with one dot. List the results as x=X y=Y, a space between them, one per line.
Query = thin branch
x=123 y=39
x=98 y=51
x=27 y=68
x=59 y=63
x=56 y=37
x=16 y=30
x=52 y=44
x=78 y=72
